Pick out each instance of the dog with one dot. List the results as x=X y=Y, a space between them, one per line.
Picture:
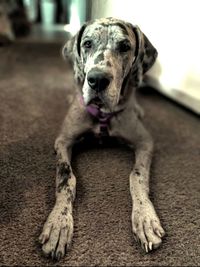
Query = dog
x=109 y=58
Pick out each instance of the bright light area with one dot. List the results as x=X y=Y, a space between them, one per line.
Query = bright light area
x=173 y=27
x=74 y=24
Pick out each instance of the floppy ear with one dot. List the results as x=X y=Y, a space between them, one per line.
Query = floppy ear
x=67 y=50
x=146 y=53
x=71 y=49
x=72 y=53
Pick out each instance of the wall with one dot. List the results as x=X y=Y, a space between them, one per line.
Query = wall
x=173 y=27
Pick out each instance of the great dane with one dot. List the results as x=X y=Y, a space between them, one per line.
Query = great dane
x=109 y=58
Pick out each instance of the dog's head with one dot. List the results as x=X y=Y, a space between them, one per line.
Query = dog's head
x=106 y=55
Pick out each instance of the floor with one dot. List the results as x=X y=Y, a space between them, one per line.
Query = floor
x=33 y=97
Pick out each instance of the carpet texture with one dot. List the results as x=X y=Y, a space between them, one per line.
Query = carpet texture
x=32 y=106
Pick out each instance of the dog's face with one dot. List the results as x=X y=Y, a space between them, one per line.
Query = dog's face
x=106 y=53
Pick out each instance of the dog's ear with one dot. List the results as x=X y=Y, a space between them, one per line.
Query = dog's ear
x=71 y=50
x=72 y=53
x=146 y=53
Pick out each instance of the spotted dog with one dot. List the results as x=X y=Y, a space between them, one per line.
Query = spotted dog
x=109 y=58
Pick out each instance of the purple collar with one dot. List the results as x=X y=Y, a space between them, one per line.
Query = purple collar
x=102 y=117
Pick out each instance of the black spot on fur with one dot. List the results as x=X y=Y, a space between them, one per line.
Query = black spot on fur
x=104 y=24
x=70 y=195
x=69 y=199
x=64 y=212
x=137 y=172
x=64 y=169
x=98 y=28
x=64 y=174
x=140 y=202
x=99 y=58
x=122 y=26
x=108 y=64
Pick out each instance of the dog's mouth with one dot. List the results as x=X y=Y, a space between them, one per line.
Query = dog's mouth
x=96 y=101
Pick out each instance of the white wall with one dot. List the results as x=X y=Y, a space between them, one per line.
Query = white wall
x=173 y=26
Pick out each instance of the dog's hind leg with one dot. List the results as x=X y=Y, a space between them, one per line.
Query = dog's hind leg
x=57 y=232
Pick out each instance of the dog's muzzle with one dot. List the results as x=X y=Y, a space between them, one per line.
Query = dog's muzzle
x=98 y=80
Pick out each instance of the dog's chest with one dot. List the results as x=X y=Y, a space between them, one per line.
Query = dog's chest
x=101 y=130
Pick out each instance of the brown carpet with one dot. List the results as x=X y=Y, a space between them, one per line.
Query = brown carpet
x=32 y=106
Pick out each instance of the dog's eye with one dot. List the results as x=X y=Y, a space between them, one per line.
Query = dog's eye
x=87 y=44
x=124 y=47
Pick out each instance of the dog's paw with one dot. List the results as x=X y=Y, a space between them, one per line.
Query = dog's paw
x=57 y=233
x=146 y=226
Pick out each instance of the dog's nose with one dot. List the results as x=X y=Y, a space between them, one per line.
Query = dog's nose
x=98 y=80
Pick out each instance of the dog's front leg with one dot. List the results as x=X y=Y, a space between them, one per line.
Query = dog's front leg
x=57 y=232
x=145 y=222
x=58 y=229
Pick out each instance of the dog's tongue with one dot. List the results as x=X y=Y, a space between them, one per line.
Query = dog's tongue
x=93 y=110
